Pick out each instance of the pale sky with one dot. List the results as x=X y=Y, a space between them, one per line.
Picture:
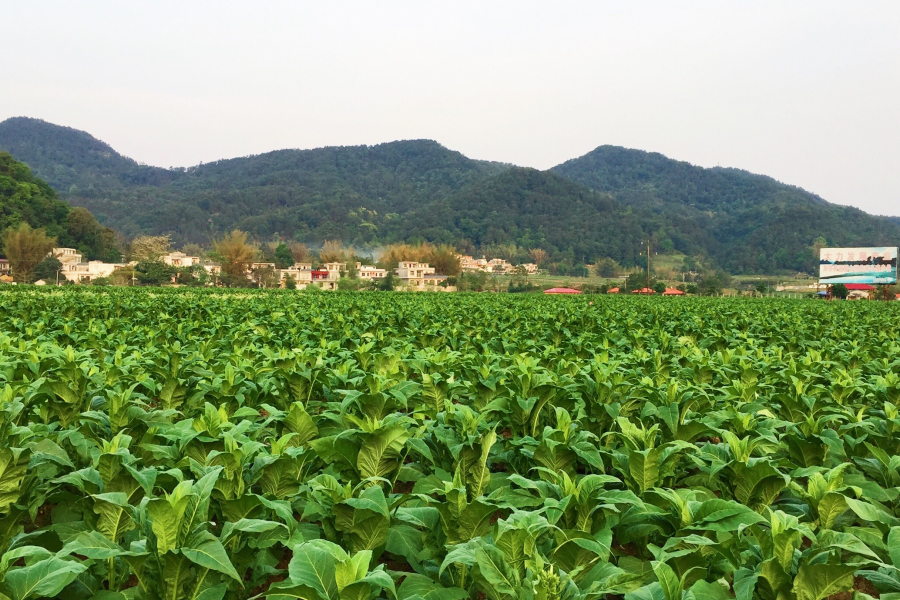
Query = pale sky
x=807 y=92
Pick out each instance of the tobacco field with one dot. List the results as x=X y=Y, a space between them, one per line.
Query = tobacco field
x=203 y=445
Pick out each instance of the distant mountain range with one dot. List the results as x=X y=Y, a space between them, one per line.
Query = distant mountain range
x=601 y=204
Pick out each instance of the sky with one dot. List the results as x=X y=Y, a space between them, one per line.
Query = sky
x=807 y=92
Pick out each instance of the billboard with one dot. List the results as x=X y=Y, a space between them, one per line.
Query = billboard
x=858 y=265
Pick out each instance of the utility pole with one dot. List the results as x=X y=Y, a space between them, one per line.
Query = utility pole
x=648 y=263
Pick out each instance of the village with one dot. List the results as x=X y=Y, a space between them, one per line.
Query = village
x=410 y=275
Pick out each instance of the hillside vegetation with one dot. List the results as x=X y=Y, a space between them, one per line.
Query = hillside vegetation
x=746 y=222
x=601 y=204
x=25 y=198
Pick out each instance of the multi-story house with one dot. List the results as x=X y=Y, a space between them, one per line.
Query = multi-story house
x=370 y=272
x=418 y=276
x=75 y=270
x=300 y=272
x=327 y=277
x=180 y=259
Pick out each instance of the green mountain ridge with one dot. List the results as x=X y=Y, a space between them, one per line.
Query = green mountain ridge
x=601 y=204
x=746 y=222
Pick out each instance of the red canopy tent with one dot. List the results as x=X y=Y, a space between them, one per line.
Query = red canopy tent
x=646 y=291
x=561 y=291
x=614 y=290
x=673 y=292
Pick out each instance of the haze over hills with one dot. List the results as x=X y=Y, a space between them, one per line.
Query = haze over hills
x=601 y=204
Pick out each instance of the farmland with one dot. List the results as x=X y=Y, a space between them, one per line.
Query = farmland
x=205 y=445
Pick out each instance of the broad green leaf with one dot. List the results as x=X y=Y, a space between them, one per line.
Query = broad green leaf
x=166 y=522
x=12 y=471
x=496 y=571
x=204 y=549
x=314 y=567
x=831 y=506
x=643 y=465
x=815 y=582
x=668 y=581
x=92 y=544
x=45 y=578
x=298 y=421
x=379 y=456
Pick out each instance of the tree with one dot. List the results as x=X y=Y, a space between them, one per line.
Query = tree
x=387 y=284
x=710 y=285
x=839 y=290
x=235 y=253
x=289 y=282
x=445 y=260
x=659 y=287
x=538 y=255
x=154 y=272
x=26 y=248
x=300 y=253
x=638 y=281
x=150 y=247
x=332 y=251
x=607 y=267
x=284 y=258
x=193 y=250
x=264 y=276
x=48 y=269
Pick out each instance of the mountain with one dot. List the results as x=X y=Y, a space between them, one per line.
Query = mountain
x=745 y=222
x=25 y=198
x=534 y=209
x=601 y=204
x=350 y=193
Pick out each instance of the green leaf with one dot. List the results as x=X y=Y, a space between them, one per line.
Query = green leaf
x=298 y=421
x=643 y=466
x=166 y=522
x=379 y=456
x=815 y=582
x=831 y=506
x=290 y=591
x=45 y=578
x=352 y=569
x=314 y=566
x=893 y=545
x=92 y=544
x=425 y=588
x=704 y=590
x=204 y=549
x=12 y=471
x=745 y=583
x=502 y=579
x=196 y=512
x=668 y=581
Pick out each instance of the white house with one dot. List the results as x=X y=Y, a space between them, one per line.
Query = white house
x=370 y=272
x=73 y=269
x=180 y=259
x=418 y=276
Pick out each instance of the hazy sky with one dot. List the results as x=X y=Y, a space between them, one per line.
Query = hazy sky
x=807 y=92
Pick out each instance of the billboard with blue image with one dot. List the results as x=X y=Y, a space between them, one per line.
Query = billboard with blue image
x=858 y=265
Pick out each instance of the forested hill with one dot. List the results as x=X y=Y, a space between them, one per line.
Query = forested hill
x=601 y=204
x=746 y=222
x=25 y=198
x=535 y=209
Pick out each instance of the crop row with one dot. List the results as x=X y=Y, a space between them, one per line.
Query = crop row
x=209 y=445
